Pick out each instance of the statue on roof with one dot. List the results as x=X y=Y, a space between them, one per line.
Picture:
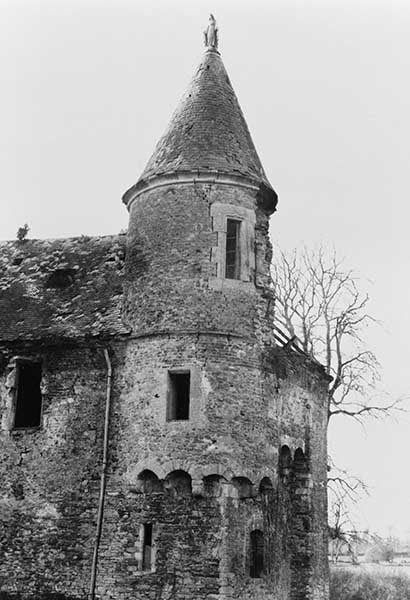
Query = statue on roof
x=211 y=34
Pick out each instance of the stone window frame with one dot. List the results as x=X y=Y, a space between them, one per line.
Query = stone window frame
x=233 y=234
x=259 y=573
x=196 y=396
x=172 y=393
x=256 y=522
x=8 y=421
x=140 y=554
x=220 y=213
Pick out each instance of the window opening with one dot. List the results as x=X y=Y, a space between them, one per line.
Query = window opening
x=285 y=463
x=232 y=259
x=256 y=563
x=28 y=395
x=149 y=482
x=243 y=486
x=213 y=485
x=147 y=547
x=299 y=462
x=178 y=396
x=179 y=483
x=60 y=279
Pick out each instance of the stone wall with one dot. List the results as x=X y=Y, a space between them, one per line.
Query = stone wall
x=171 y=265
x=50 y=475
x=249 y=405
x=251 y=457
x=230 y=453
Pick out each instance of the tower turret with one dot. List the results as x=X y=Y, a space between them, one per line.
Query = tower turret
x=198 y=247
x=207 y=139
x=218 y=427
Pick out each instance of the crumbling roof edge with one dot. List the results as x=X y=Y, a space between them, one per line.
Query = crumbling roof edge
x=55 y=340
x=73 y=238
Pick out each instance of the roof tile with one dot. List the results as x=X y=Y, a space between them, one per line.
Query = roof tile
x=87 y=304
x=208 y=130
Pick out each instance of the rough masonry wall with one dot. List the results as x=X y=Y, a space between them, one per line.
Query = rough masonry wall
x=50 y=476
x=187 y=531
x=241 y=417
x=252 y=403
x=202 y=538
x=301 y=416
x=251 y=456
x=170 y=270
x=231 y=424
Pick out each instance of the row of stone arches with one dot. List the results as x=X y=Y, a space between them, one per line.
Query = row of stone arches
x=281 y=524
x=180 y=482
x=151 y=480
x=286 y=462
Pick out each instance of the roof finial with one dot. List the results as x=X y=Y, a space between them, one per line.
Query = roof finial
x=211 y=34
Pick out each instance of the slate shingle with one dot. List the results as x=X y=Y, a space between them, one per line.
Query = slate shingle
x=89 y=306
x=207 y=132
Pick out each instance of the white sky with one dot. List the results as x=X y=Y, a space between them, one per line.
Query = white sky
x=89 y=86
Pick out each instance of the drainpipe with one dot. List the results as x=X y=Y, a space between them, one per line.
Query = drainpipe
x=91 y=594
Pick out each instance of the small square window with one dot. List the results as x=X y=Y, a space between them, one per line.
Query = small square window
x=179 y=384
x=28 y=395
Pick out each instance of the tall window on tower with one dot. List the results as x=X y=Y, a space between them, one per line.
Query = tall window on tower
x=147 y=547
x=233 y=258
x=28 y=395
x=256 y=553
x=179 y=384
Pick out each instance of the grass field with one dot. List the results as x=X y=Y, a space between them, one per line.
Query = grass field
x=370 y=582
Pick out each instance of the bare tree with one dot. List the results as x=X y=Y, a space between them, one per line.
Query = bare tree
x=344 y=538
x=319 y=303
x=383 y=549
x=344 y=491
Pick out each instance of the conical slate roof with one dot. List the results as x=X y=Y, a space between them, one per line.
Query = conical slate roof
x=207 y=132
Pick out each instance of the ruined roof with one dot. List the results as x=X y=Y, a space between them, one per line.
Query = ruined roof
x=62 y=288
x=208 y=132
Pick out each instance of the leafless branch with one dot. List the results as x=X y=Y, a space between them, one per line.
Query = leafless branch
x=319 y=302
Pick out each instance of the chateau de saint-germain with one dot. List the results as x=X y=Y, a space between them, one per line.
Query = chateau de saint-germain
x=160 y=437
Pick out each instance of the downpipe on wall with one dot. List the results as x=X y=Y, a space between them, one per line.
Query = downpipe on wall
x=100 y=513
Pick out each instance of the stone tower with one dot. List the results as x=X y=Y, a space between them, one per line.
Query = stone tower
x=223 y=432
x=210 y=421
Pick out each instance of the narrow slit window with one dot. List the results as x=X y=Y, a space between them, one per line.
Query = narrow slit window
x=232 y=258
x=147 y=547
x=256 y=551
x=28 y=395
x=178 y=396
